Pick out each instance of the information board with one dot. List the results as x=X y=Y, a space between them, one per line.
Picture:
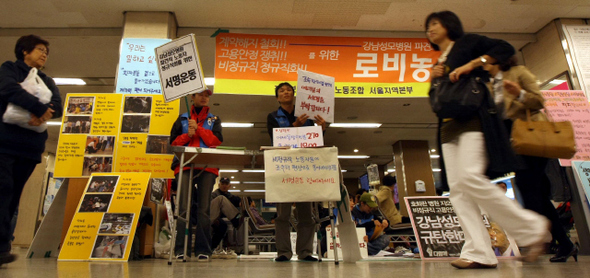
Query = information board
x=315 y=95
x=298 y=137
x=106 y=218
x=138 y=71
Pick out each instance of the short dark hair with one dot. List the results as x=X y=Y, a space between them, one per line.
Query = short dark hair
x=506 y=65
x=27 y=44
x=389 y=180
x=281 y=85
x=450 y=21
x=361 y=191
x=250 y=200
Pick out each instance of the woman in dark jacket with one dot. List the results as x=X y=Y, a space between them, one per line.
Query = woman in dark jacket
x=474 y=147
x=21 y=148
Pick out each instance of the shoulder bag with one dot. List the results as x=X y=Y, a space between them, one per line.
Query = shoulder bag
x=459 y=99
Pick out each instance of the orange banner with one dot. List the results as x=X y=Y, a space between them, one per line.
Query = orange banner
x=362 y=67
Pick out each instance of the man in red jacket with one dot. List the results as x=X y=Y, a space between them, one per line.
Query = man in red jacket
x=197 y=129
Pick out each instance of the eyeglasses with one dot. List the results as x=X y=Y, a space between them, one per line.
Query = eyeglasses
x=43 y=50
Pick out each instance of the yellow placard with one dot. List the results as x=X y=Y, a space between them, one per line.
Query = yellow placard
x=106 y=218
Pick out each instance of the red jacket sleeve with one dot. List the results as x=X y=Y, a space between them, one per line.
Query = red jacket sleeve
x=208 y=137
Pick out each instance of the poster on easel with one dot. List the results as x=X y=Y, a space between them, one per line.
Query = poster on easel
x=106 y=218
x=104 y=133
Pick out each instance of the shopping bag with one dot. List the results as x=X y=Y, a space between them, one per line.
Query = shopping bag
x=17 y=115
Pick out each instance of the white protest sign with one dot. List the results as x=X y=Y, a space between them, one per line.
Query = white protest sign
x=315 y=95
x=302 y=175
x=298 y=137
x=360 y=233
x=180 y=68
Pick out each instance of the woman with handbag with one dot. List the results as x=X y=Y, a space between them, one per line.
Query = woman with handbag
x=516 y=91
x=475 y=145
x=21 y=148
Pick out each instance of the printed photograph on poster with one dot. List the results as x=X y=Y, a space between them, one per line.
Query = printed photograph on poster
x=158 y=144
x=112 y=247
x=138 y=105
x=97 y=164
x=102 y=184
x=100 y=145
x=95 y=203
x=158 y=192
x=135 y=123
x=76 y=124
x=116 y=223
x=80 y=106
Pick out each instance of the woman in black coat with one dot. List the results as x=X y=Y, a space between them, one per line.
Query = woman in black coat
x=21 y=148
x=475 y=146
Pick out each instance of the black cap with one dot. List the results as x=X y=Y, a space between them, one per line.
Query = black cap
x=224 y=180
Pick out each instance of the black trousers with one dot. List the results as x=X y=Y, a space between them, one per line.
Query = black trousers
x=14 y=173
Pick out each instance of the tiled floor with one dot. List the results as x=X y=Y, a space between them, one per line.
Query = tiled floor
x=49 y=267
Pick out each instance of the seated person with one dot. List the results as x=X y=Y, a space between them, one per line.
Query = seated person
x=91 y=148
x=386 y=202
x=223 y=190
x=255 y=214
x=365 y=214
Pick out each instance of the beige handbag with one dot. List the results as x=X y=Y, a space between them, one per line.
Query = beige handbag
x=543 y=138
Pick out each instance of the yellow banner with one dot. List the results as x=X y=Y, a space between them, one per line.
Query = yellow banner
x=106 y=218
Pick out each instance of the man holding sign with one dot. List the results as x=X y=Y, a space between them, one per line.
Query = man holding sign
x=285 y=117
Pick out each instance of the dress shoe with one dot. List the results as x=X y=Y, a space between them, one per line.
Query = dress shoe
x=562 y=258
x=282 y=259
x=466 y=264
x=309 y=259
x=6 y=257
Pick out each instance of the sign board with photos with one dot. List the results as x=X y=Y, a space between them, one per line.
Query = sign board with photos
x=180 y=68
x=104 y=224
x=103 y=133
x=439 y=234
x=298 y=137
x=302 y=175
x=138 y=70
x=315 y=95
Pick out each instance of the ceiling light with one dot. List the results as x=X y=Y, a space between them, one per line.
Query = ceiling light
x=53 y=123
x=556 y=82
x=209 y=81
x=356 y=150
x=68 y=81
x=433 y=150
x=356 y=125
x=253 y=171
x=436 y=170
x=253 y=182
x=254 y=190
x=237 y=190
x=343 y=171
x=232 y=177
x=390 y=170
x=353 y=156
x=434 y=156
x=228 y=171
x=234 y=182
x=237 y=124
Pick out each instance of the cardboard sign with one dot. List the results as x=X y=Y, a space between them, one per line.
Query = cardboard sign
x=360 y=233
x=439 y=234
x=180 y=68
x=571 y=106
x=315 y=95
x=105 y=221
x=298 y=137
x=138 y=71
x=302 y=175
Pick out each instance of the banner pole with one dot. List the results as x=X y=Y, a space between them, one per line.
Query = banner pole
x=188 y=109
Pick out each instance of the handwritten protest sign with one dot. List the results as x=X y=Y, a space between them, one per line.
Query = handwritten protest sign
x=180 y=68
x=315 y=95
x=571 y=106
x=302 y=175
x=360 y=233
x=298 y=137
x=138 y=71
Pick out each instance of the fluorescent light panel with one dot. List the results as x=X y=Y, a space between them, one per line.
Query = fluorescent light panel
x=209 y=81
x=353 y=156
x=234 y=182
x=69 y=81
x=237 y=124
x=228 y=171
x=356 y=125
x=253 y=171
x=253 y=182
x=234 y=190
x=53 y=123
x=254 y=190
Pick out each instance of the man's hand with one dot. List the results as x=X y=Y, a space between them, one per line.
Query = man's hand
x=320 y=121
x=385 y=224
x=192 y=127
x=512 y=87
x=300 y=120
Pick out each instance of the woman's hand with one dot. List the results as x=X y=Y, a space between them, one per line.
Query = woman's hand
x=464 y=69
x=300 y=120
x=35 y=121
x=438 y=71
x=48 y=115
x=192 y=127
x=512 y=87
x=320 y=121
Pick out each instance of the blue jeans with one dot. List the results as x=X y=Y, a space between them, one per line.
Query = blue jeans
x=378 y=244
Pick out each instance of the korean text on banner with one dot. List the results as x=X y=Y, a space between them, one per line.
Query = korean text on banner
x=298 y=137
x=362 y=67
x=180 y=68
x=360 y=233
x=571 y=106
x=315 y=95
x=302 y=175
x=138 y=71
x=105 y=221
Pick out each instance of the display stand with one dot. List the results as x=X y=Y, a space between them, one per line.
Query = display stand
x=207 y=158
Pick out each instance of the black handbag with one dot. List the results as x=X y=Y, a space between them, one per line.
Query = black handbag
x=457 y=100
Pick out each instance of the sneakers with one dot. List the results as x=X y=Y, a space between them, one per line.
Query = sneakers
x=180 y=257
x=202 y=258
x=226 y=254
